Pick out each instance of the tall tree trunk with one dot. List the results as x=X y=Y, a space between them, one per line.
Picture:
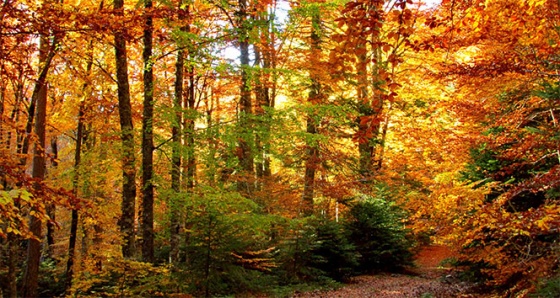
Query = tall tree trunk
x=31 y=276
x=51 y=208
x=312 y=152
x=261 y=138
x=75 y=185
x=13 y=239
x=370 y=101
x=80 y=136
x=175 y=226
x=126 y=222
x=366 y=126
x=148 y=141
x=263 y=99
x=190 y=104
x=2 y=108
x=245 y=153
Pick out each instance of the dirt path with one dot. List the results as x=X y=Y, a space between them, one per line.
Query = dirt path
x=428 y=280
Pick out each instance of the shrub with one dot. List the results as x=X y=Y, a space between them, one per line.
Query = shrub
x=333 y=253
x=295 y=255
x=548 y=288
x=227 y=248
x=51 y=279
x=316 y=250
x=376 y=228
x=123 y=278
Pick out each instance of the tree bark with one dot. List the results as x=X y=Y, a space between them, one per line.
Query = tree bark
x=126 y=222
x=312 y=152
x=31 y=276
x=51 y=208
x=370 y=102
x=148 y=141
x=80 y=135
x=190 y=104
x=245 y=153
x=175 y=226
x=366 y=146
x=75 y=184
x=264 y=101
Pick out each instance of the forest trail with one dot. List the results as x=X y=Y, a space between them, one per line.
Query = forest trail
x=427 y=280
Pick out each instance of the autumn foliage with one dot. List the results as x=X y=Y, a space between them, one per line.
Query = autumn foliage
x=216 y=147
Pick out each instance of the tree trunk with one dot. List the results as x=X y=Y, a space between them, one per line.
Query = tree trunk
x=13 y=239
x=175 y=226
x=370 y=103
x=148 y=141
x=265 y=94
x=245 y=153
x=190 y=104
x=366 y=145
x=2 y=109
x=51 y=208
x=75 y=182
x=312 y=152
x=126 y=222
x=31 y=276
x=264 y=102
x=75 y=185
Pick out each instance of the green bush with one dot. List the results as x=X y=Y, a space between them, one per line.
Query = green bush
x=316 y=250
x=376 y=228
x=333 y=254
x=295 y=257
x=227 y=246
x=548 y=288
x=51 y=279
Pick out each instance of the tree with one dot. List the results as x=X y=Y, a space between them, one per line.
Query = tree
x=246 y=158
x=80 y=136
x=513 y=162
x=315 y=96
x=148 y=140
x=174 y=222
x=47 y=52
x=126 y=222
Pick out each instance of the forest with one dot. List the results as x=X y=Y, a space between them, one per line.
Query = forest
x=259 y=148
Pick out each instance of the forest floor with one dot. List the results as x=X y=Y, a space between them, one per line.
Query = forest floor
x=428 y=279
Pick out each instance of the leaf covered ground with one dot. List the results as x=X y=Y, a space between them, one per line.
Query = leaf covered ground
x=429 y=279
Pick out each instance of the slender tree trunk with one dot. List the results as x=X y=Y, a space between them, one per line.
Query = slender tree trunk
x=80 y=136
x=189 y=130
x=370 y=103
x=126 y=222
x=98 y=229
x=2 y=107
x=13 y=239
x=75 y=185
x=23 y=140
x=381 y=154
x=267 y=89
x=51 y=208
x=175 y=225
x=212 y=107
x=366 y=125
x=262 y=96
x=312 y=153
x=31 y=276
x=245 y=153
x=148 y=141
